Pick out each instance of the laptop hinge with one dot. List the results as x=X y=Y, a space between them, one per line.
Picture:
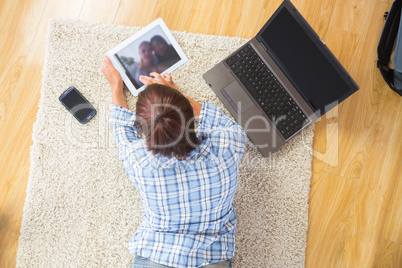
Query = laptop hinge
x=262 y=44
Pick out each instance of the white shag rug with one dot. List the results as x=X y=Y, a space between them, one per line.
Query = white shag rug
x=81 y=210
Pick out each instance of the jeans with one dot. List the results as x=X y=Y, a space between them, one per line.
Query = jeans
x=140 y=262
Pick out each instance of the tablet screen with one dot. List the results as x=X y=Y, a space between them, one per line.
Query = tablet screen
x=153 y=49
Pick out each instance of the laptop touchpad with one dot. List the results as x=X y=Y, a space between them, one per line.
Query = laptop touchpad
x=237 y=97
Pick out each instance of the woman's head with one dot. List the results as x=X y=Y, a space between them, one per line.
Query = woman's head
x=145 y=51
x=166 y=119
x=159 y=45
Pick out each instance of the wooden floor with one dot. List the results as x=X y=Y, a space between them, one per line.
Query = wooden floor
x=356 y=188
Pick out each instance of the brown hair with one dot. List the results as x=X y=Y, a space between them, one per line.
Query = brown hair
x=166 y=118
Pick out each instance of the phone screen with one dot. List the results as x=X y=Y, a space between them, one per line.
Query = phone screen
x=77 y=105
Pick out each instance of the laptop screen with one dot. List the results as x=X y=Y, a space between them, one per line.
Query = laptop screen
x=312 y=70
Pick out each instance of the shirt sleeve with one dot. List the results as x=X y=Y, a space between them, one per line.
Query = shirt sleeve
x=125 y=131
x=227 y=137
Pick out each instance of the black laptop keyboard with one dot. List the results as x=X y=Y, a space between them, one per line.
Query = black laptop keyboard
x=269 y=93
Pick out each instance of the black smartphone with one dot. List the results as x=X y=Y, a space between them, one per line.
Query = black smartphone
x=78 y=105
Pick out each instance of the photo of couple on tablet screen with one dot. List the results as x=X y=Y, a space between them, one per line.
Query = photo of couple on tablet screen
x=147 y=55
x=152 y=49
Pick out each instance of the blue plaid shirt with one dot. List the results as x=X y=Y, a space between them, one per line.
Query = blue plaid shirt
x=189 y=220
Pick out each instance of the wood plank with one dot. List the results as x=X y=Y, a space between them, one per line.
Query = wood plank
x=15 y=135
x=242 y=18
x=99 y=10
x=4 y=8
x=318 y=14
x=268 y=9
x=325 y=133
x=175 y=18
x=329 y=220
x=16 y=36
x=351 y=15
x=360 y=110
x=207 y=17
x=10 y=232
x=14 y=129
x=344 y=46
x=393 y=226
x=22 y=20
x=376 y=186
x=390 y=255
x=135 y=12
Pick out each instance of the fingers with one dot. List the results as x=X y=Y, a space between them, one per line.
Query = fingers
x=107 y=65
x=157 y=76
x=168 y=77
x=164 y=79
x=112 y=75
x=159 y=79
x=107 y=60
x=146 y=80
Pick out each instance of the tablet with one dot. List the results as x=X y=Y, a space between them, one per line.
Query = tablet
x=152 y=49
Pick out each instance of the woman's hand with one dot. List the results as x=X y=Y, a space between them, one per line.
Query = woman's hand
x=112 y=75
x=165 y=79
x=116 y=83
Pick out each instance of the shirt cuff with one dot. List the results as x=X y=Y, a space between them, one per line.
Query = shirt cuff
x=209 y=116
x=121 y=116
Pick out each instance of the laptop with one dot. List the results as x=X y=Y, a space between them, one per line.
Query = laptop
x=280 y=81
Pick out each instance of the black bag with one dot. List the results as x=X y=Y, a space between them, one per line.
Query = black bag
x=392 y=26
